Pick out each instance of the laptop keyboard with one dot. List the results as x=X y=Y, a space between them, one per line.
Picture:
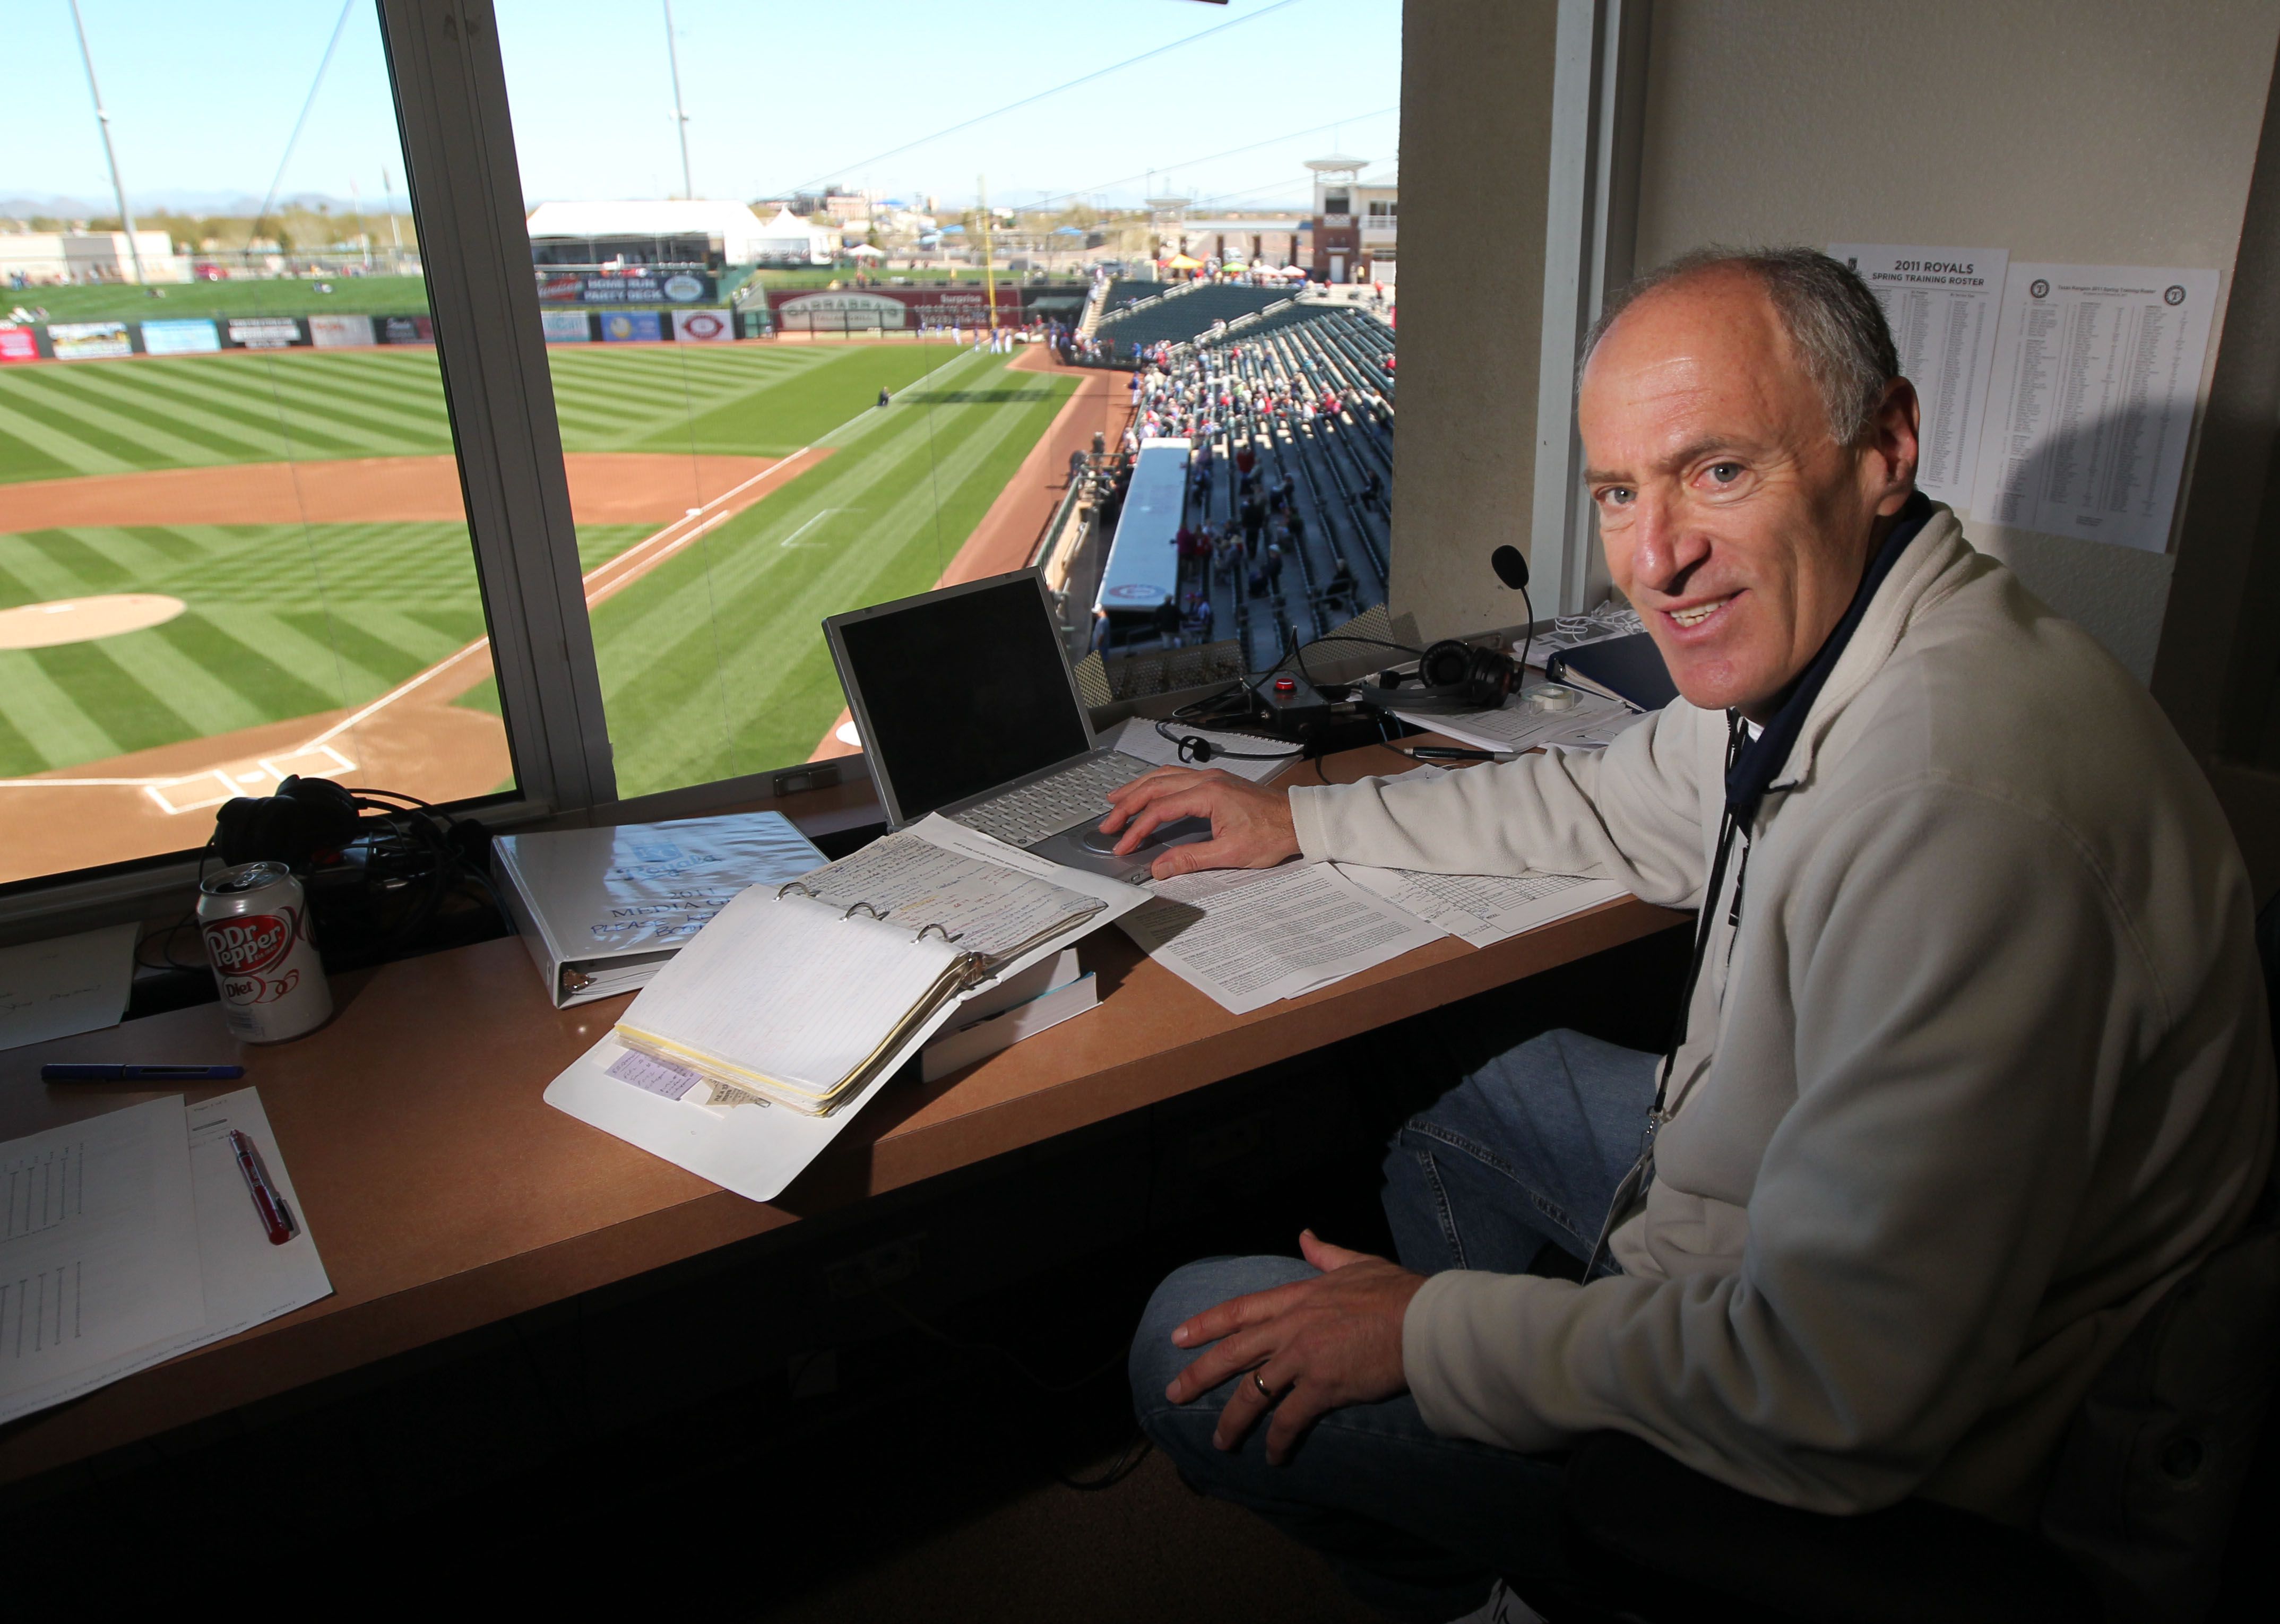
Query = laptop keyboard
x=1026 y=816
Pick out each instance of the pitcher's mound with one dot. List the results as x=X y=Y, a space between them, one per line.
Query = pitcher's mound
x=81 y=619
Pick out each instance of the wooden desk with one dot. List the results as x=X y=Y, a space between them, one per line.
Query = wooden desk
x=445 y=1195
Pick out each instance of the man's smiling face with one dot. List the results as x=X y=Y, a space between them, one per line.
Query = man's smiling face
x=1733 y=520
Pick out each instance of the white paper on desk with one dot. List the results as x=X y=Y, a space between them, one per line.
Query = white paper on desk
x=1517 y=726
x=248 y=1278
x=1483 y=908
x=1138 y=737
x=1941 y=304
x=1249 y=942
x=71 y=984
x=2098 y=369
x=100 y=1260
x=218 y=1274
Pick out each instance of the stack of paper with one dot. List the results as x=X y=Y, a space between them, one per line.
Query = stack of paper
x=130 y=1237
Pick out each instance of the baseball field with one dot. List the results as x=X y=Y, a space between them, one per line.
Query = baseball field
x=302 y=508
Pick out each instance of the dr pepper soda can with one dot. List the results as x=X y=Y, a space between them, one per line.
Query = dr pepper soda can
x=256 y=924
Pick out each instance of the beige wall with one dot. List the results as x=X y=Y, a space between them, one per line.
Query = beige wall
x=2113 y=132
x=1476 y=153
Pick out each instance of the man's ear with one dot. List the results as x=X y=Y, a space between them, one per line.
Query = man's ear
x=1890 y=454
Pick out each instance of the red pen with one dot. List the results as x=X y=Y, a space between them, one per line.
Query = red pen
x=276 y=1218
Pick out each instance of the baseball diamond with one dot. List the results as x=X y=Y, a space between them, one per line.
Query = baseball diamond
x=707 y=642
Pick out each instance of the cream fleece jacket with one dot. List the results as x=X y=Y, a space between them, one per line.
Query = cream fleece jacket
x=1982 y=1072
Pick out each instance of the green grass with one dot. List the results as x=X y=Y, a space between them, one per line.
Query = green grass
x=710 y=665
x=351 y=296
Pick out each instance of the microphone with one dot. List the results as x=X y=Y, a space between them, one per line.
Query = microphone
x=1512 y=569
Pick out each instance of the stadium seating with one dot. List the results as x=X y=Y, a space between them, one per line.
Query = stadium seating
x=1338 y=465
x=1182 y=317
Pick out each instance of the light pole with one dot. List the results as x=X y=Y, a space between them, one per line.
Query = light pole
x=680 y=118
x=118 y=190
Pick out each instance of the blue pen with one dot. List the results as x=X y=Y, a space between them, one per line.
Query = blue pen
x=140 y=1074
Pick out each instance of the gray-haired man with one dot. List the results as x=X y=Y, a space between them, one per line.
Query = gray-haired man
x=1972 y=1070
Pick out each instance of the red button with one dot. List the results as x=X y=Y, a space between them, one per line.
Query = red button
x=1286 y=685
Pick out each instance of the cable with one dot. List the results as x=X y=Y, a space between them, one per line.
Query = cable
x=1072 y=84
x=1199 y=752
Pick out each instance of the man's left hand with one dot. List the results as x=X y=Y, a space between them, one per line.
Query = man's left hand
x=1307 y=1348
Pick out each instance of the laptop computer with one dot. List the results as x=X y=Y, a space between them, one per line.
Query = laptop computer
x=966 y=706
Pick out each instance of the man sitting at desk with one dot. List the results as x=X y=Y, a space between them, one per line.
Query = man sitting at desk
x=1972 y=1067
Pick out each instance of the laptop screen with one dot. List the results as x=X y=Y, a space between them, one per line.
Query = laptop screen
x=961 y=691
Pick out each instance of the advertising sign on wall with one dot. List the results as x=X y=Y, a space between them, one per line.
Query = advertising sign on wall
x=340 y=331
x=407 y=330
x=644 y=286
x=264 y=332
x=638 y=326
x=703 y=327
x=853 y=310
x=199 y=337
x=88 y=341
x=566 y=327
x=17 y=344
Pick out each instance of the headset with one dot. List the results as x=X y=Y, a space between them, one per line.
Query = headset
x=1459 y=676
x=305 y=817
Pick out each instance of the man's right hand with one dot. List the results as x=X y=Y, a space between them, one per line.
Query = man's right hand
x=1250 y=826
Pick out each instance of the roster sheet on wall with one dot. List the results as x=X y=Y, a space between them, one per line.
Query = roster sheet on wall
x=2090 y=403
x=1941 y=303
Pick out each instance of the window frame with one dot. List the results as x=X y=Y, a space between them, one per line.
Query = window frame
x=448 y=82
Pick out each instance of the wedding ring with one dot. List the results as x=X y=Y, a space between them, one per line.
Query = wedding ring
x=1260 y=1383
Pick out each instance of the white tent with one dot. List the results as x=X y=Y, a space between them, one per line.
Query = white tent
x=732 y=227
x=790 y=238
x=863 y=251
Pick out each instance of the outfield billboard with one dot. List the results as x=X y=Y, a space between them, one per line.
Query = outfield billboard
x=632 y=326
x=264 y=332
x=892 y=307
x=406 y=329
x=90 y=340
x=703 y=327
x=659 y=286
x=340 y=331
x=184 y=337
x=566 y=327
x=17 y=344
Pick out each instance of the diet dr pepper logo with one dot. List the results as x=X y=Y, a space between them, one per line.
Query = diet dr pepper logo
x=244 y=948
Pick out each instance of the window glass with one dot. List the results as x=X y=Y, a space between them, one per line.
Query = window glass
x=831 y=324
x=232 y=544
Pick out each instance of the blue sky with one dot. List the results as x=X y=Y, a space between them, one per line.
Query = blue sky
x=780 y=93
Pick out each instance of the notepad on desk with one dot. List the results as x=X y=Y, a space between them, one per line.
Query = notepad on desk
x=785 y=1016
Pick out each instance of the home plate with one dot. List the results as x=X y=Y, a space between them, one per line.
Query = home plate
x=261 y=776
x=81 y=619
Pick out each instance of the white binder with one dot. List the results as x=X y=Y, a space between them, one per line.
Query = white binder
x=601 y=909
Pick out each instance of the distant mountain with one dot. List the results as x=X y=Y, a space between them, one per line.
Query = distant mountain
x=203 y=203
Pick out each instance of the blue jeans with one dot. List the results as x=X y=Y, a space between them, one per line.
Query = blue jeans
x=1524 y=1151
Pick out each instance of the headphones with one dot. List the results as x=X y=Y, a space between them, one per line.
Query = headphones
x=1457 y=676
x=305 y=817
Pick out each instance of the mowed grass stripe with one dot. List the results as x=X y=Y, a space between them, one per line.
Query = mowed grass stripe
x=154 y=693
x=273 y=691
x=248 y=417
x=772 y=678
x=156 y=399
x=48 y=716
x=79 y=453
x=137 y=432
x=126 y=553
x=659 y=645
x=57 y=564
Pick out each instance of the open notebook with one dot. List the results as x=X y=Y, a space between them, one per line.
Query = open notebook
x=801 y=994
